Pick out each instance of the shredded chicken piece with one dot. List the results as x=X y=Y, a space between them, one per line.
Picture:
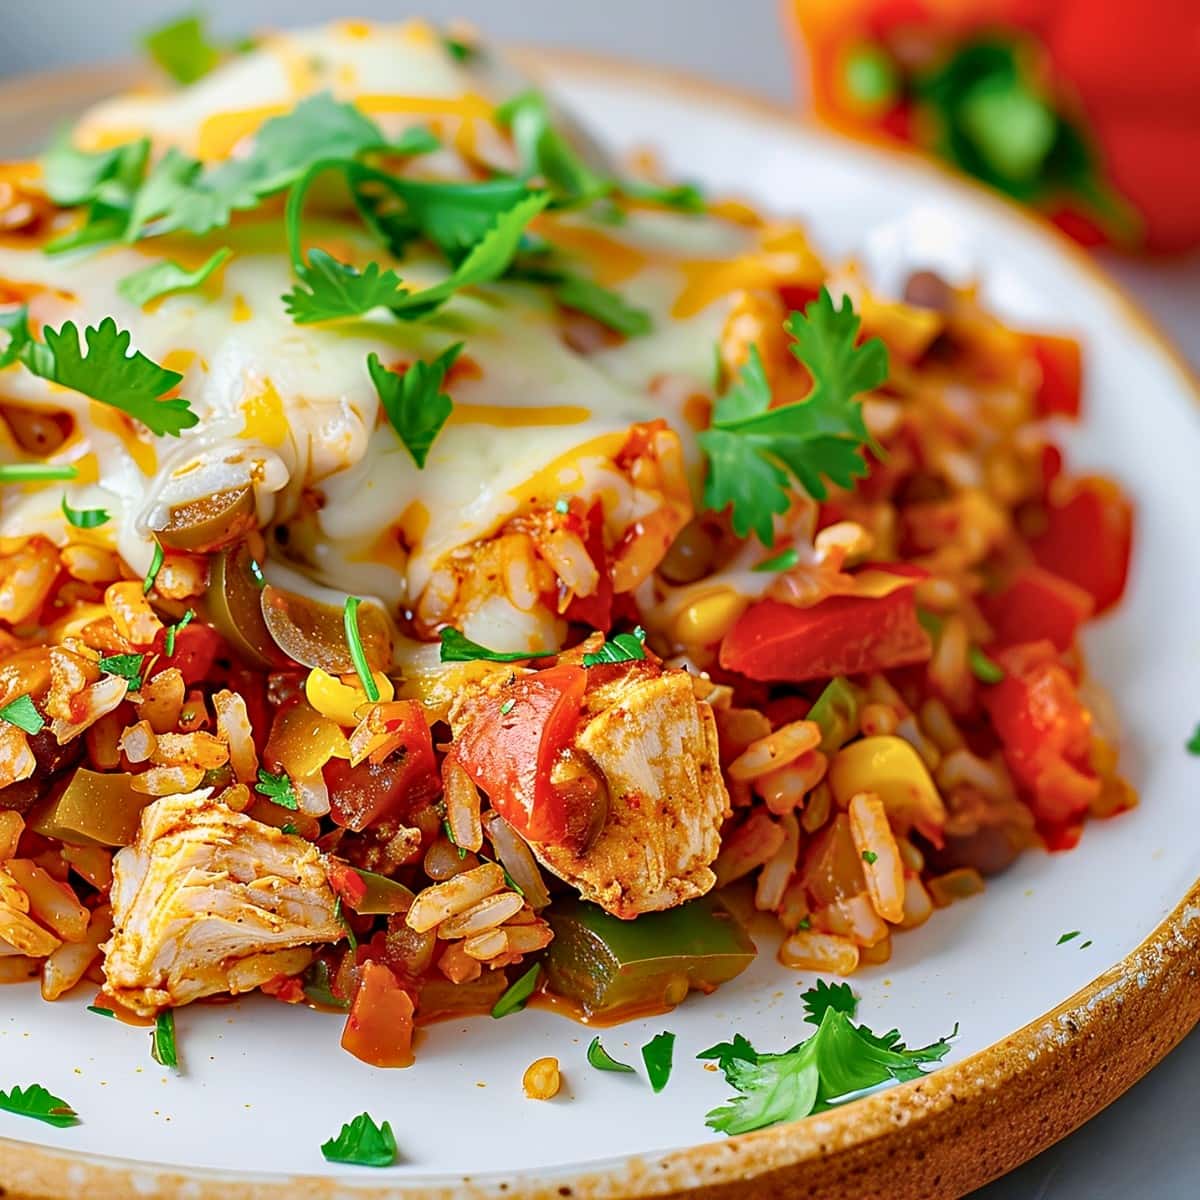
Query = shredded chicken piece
x=653 y=746
x=208 y=900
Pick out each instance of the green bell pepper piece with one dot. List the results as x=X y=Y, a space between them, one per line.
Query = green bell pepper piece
x=836 y=711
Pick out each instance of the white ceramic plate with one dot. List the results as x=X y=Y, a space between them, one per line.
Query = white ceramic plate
x=263 y=1086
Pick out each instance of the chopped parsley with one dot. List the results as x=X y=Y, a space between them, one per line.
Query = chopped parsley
x=1085 y=945
x=562 y=506
x=984 y=668
x=183 y=49
x=277 y=788
x=357 y=654
x=156 y=562
x=507 y=706
x=414 y=401
x=869 y=857
x=174 y=630
x=165 y=278
x=101 y=1012
x=22 y=713
x=289 y=827
x=754 y=450
x=162 y=1040
x=85 y=518
x=1193 y=743
x=362 y=1143
x=36 y=1102
x=1067 y=937
x=459 y=50
x=625 y=647
x=14 y=322
x=785 y=560
x=456 y=647
x=835 y=1063
x=107 y=372
x=36 y=472
x=127 y=666
x=658 y=1055
x=339 y=915
x=514 y=998
x=600 y=1058
x=335 y=290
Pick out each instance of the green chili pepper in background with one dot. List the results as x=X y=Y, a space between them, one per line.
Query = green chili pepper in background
x=383 y=895
x=317 y=986
x=609 y=966
x=836 y=711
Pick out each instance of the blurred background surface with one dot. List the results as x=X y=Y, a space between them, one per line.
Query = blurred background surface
x=1144 y=1145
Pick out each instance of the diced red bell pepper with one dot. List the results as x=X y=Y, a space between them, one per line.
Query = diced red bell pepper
x=348 y=885
x=1088 y=537
x=1045 y=732
x=361 y=795
x=196 y=647
x=844 y=635
x=1038 y=605
x=379 y=1027
x=509 y=745
x=1060 y=390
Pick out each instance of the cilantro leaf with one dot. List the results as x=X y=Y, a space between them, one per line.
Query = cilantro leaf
x=824 y=995
x=603 y=305
x=127 y=666
x=600 y=1058
x=362 y=1143
x=338 y=290
x=21 y=713
x=1067 y=937
x=277 y=788
x=544 y=151
x=754 y=450
x=513 y=1000
x=183 y=49
x=107 y=372
x=35 y=1101
x=658 y=1054
x=684 y=197
x=455 y=215
x=414 y=401
x=164 y=278
x=85 y=518
x=837 y=1061
x=726 y=1053
x=14 y=322
x=107 y=184
x=625 y=647
x=162 y=1040
x=456 y=647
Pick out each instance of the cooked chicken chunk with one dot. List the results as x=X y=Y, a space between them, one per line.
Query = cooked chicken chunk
x=650 y=747
x=208 y=900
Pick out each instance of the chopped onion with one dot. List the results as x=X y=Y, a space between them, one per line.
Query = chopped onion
x=517 y=859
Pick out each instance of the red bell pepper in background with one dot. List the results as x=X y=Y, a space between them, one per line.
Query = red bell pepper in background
x=380 y=1024
x=510 y=743
x=1060 y=388
x=844 y=635
x=1087 y=109
x=1038 y=605
x=1046 y=734
x=1088 y=537
x=362 y=794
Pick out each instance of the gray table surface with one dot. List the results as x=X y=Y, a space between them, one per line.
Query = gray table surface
x=1147 y=1144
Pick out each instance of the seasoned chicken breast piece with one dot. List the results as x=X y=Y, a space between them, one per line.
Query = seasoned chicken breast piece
x=208 y=900
x=648 y=748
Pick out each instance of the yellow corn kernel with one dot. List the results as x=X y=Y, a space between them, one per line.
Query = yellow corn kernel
x=709 y=619
x=340 y=701
x=893 y=770
x=542 y=1080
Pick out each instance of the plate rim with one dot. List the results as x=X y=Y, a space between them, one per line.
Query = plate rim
x=935 y=1137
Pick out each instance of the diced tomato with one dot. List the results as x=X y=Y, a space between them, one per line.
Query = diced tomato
x=1038 y=605
x=287 y=988
x=380 y=1025
x=1060 y=390
x=196 y=647
x=1045 y=732
x=360 y=795
x=844 y=635
x=511 y=741
x=1088 y=537
x=595 y=610
x=348 y=885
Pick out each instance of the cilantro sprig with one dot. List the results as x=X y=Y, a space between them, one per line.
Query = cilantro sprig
x=755 y=451
x=362 y=1143
x=167 y=278
x=277 y=788
x=457 y=647
x=126 y=666
x=106 y=371
x=36 y=1102
x=838 y=1061
x=624 y=647
x=414 y=401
